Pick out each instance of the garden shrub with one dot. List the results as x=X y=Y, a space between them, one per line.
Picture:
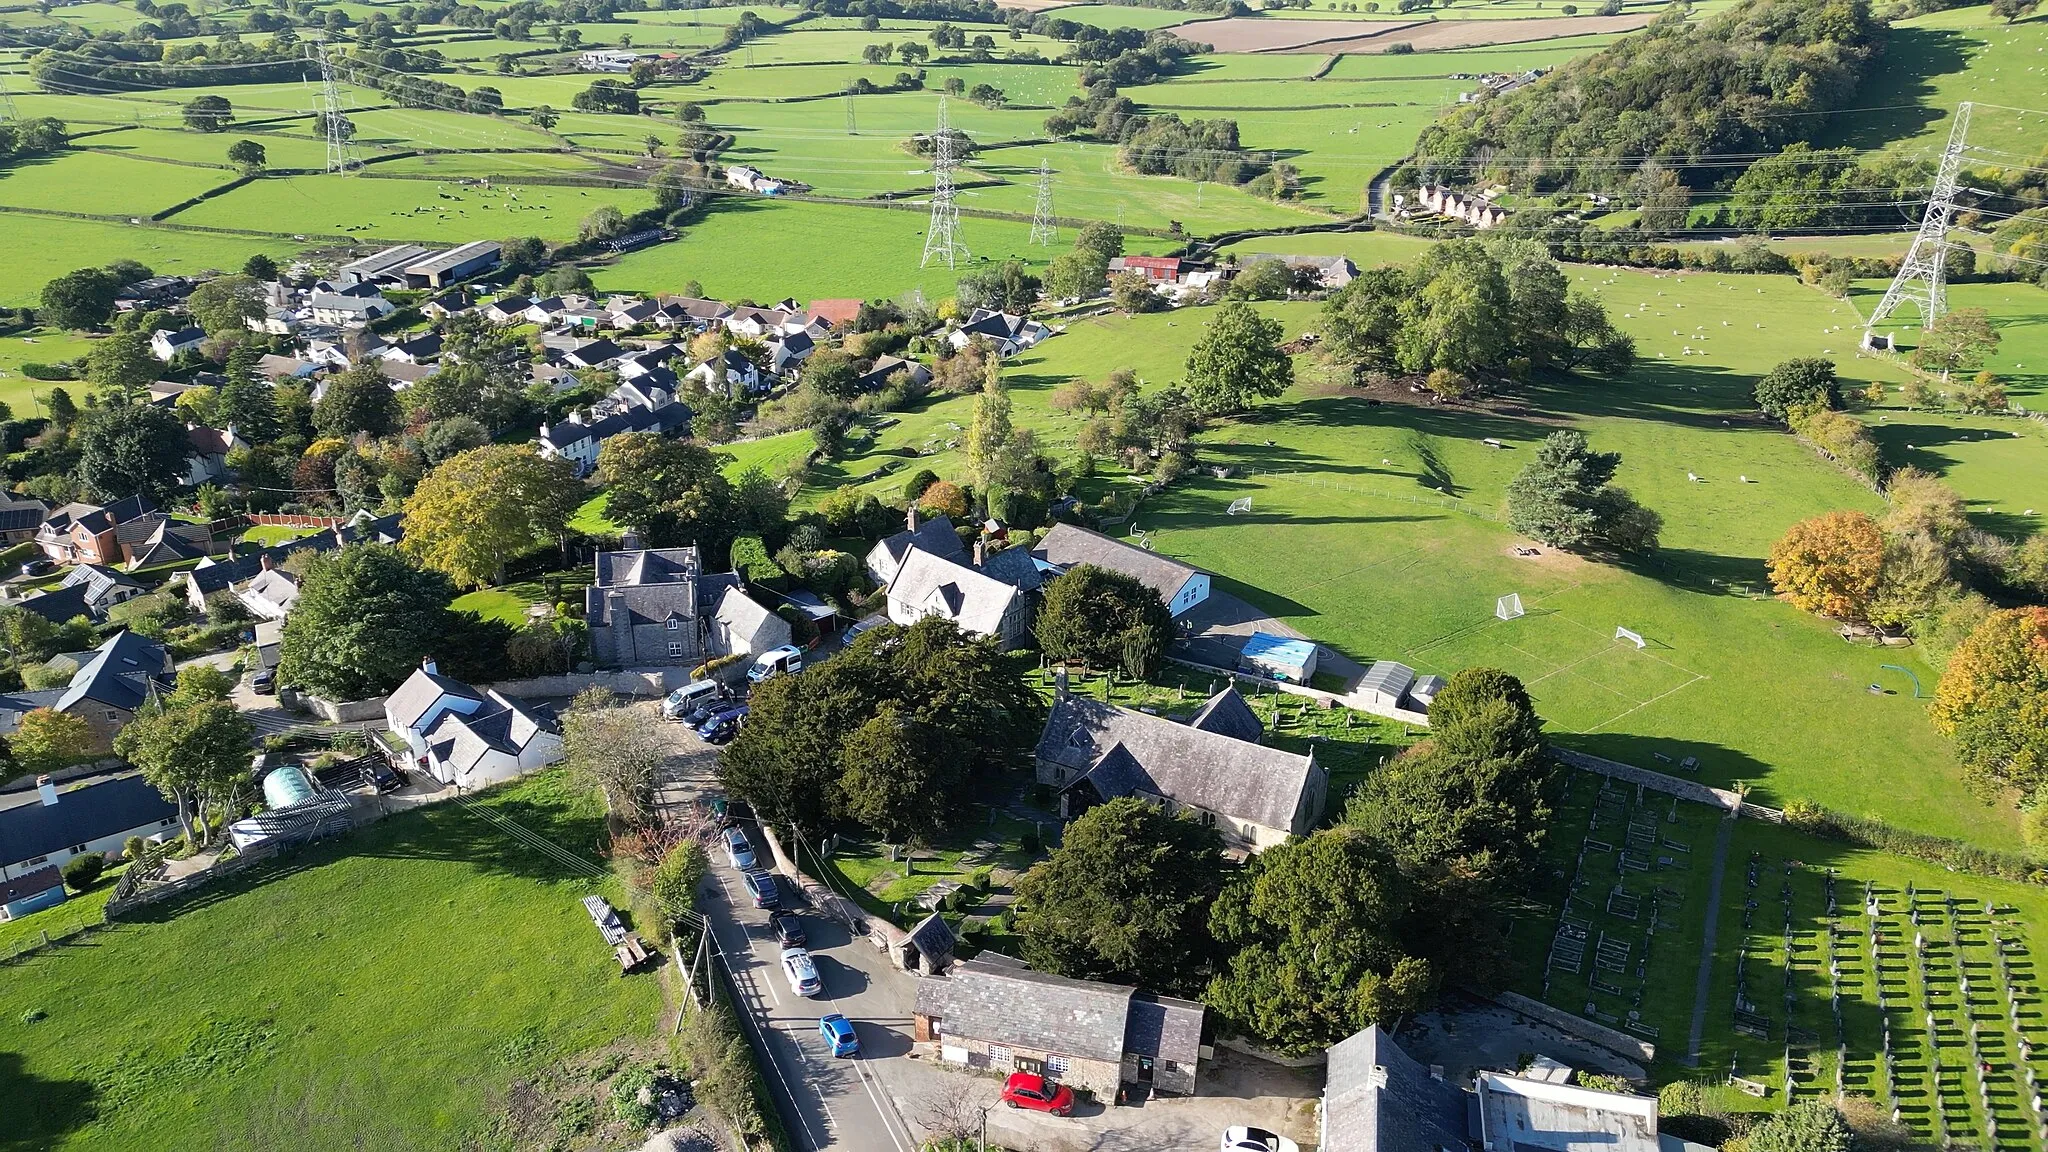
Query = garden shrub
x=82 y=872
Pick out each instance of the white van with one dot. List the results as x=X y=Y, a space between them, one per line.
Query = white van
x=786 y=659
x=689 y=697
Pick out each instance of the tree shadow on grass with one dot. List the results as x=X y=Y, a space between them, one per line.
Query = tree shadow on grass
x=1698 y=571
x=1718 y=766
x=39 y=1111
x=1898 y=95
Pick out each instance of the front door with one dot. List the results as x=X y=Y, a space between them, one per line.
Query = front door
x=1144 y=1069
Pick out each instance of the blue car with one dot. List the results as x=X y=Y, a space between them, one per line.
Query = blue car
x=722 y=727
x=838 y=1032
x=737 y=851
x=763 y=888
x=718 y=717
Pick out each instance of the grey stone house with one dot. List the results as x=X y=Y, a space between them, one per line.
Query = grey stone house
x=646 y=608
x=995 y=1014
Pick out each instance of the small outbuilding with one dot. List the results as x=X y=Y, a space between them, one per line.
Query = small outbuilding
x=1279 y=657
x=31 y=892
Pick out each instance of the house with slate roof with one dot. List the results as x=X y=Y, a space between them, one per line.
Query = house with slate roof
x=1213 y=767
x=1180 y=586
x=741 y=625
x=93 y=534
x=930 y=585
x=1009 y=333
x=1377 y=1099
x=994 y=1014
x=469 y=737
x=935 y=536
x=47 y=828
x=20 y=517
x=110 y=686
x=87 y=590
x=645 y=404
x=647 y=607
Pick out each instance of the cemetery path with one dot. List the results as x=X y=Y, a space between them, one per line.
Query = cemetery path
x=1705 y=980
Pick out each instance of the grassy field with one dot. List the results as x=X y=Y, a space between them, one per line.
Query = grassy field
x=406 y=209
x=294 y=1005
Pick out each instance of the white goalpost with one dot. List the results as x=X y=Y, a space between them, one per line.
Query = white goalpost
x=1635 y=638
x=1508 y=607
x=1241 y=505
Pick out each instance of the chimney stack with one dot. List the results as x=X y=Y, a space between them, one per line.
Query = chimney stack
x=430 y=666
x=263 y=561
x=47 y=791
x=912 y=518
x=980 y=553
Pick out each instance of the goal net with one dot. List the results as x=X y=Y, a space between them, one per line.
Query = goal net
x=1508 y=607
x=1635 y=638
x=1243 y=505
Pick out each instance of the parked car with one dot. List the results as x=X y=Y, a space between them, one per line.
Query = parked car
x=738 y=852
x=1245 y=1139
x=776 y=662
x=1037 y=1094
x=763 y=888
x=854 y=632
x=802 y=972
x=264 y=683
x=705 y=711
x=789 y=928
x=717 y=717
x=385 y=777
x=678 y=704
x=838 y=1033
x=37 y=567
x=723 y=727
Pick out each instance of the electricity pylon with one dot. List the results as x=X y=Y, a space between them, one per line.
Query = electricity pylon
x=341 y=157
x=1922 y=275
x=942 y=235
x=1045 y=228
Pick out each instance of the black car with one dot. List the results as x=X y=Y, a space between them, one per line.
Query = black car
x=789 y=929
x=702 y=712
x=386 y=778
x=37 y=567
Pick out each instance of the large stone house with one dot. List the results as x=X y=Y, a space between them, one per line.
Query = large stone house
x=469 y=737
x=995 y=1014
x=1213 y=767
x=929 y=585
x=646 y=607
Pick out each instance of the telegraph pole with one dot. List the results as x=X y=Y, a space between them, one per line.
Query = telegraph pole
x=1921 y=281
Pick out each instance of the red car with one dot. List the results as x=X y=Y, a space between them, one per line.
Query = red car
x=1023 y=1090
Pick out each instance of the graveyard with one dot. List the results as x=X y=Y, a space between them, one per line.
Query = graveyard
x=1832 y=971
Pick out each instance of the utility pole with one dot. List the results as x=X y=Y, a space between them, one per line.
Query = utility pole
x=849 y=112
x=341 y=158
x=1921 y=281
x=941 y=236
x=1045 y=227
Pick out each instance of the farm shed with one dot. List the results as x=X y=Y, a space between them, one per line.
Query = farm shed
x=1386 y=683
x=1279 y=657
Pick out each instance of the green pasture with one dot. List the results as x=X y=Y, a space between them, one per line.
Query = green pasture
x=831 y=250
x=430 y=128
x=1044 y=85
x=1489 y=10
x=1370 y=97
x=295 y=992
x=1476 y=61
x=41 y=248
x=23 y=395
x=459 y=165
x=734 y=83
x=282 y=149
x=103 y=183
x=1088 y=183
x=1935 y=62
x=407 y=209
x=801 y=45
x=1120 y=16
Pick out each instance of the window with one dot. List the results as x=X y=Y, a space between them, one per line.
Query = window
x=113 y=716
x=36 y=861
x=673 y=624
x=78 y=849
x=1055 y=1065
x=998 y=1055
x=675 y=649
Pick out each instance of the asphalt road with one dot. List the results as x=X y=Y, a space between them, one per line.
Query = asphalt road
x=826 y=1102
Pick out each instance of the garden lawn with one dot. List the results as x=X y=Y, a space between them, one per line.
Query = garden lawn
x=376 y=991
x=22 y=394
x=508 y=604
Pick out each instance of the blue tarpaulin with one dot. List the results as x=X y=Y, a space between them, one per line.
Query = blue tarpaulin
x=1281 y=657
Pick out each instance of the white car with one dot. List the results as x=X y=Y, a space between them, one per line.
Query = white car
x=803 y=974
x=1245 y=1139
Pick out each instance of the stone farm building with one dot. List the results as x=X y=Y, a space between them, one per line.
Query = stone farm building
x=994 y=1013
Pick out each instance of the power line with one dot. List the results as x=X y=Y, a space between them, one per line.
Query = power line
x=1921 y=274
x=341 y=158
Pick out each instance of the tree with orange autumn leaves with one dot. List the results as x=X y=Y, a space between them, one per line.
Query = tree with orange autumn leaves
x=1830 y=564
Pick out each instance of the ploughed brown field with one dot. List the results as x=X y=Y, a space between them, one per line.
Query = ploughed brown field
x=1251 y=34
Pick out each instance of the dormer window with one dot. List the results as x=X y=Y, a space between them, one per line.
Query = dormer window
x=673 y=624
